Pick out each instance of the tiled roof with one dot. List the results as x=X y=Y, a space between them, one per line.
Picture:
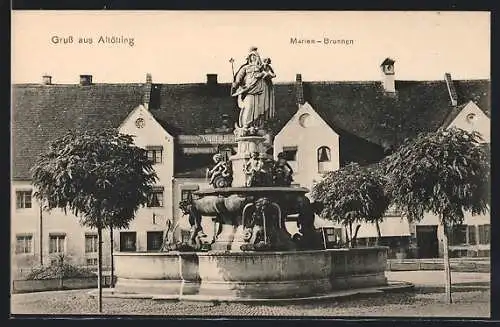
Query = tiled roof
x=363 y=109
x=358 y=109
x=42 y=113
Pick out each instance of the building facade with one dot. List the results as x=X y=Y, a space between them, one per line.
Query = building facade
x=320 y=126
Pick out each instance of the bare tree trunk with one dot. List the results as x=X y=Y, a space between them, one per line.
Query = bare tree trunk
x=447 y=270
x=347 y=240
x=112 y=281
x=41 y=235
x=379 y=234
x=355 y=236
x=350 y=235
x=99 y=268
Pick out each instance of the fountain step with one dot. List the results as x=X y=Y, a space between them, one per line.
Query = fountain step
x=392 y=286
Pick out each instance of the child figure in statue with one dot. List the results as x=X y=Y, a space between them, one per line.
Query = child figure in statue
x=282 y=171
x=220 y=172
x=253 y=169
x=266 y=67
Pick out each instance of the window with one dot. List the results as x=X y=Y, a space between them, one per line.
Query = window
x=472 y=234
x=90 y=243
x=56 y=243
x=156 y=197
x=91 y=261
x=324 y=159
x=155 y=154
x=23 y=199
x=24 y=244
x=470 y=118
x=155 y=240
x=185 y=235
x=331 y=236
x=305 y=120
x=290 y=153
x=127 y=241
x=226 y=153
x=484 y=234
x=187 y=194
x=458 y=235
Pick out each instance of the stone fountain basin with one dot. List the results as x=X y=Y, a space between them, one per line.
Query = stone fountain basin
x=253 y=190
x=250 y=275
x=232 y=199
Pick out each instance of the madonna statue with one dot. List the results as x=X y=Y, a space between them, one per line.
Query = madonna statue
x=254 y=88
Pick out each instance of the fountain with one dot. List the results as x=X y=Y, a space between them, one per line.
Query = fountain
x=252 y=256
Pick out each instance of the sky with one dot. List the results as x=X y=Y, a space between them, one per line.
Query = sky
x=182 y=47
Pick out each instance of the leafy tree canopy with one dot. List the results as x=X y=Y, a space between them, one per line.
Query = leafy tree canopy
x=100 y=176
x=352 y=194
x=443 y=172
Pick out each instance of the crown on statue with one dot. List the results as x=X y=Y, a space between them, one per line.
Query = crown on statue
x=252 y=49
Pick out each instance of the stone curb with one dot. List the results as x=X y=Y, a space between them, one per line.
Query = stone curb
x=393 y=286
x=466 y=266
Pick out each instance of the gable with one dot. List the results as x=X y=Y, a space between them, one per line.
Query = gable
x=306 y=119
x=144 y=127
x=472 y=118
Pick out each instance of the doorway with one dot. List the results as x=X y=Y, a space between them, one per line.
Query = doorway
x=427 y=242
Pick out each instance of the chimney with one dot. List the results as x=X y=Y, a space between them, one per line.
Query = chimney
x=451 y=89
x=299 y=89
x=387 y=67
x=146 y=98
x=46 y=80
x=211 y=79
x=85 y=80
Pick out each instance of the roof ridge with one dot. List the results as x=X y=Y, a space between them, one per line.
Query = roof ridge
x=276 y=83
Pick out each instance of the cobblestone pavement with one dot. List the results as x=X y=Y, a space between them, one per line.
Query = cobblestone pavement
x=470 y=303
x=471 y=296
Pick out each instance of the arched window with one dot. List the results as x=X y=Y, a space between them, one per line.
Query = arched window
x=324 y=157
x=324 y=154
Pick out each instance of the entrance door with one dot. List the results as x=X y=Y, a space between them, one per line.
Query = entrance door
x=427 y=242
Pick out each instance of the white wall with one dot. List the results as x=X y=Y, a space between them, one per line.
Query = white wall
x=27 y=221
x=480 y=122
x=308 y=136
x=152 y=134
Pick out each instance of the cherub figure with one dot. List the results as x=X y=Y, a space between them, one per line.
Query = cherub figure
x=253 y=168
x=267 y=69
x=283 y=172
x=221 y=169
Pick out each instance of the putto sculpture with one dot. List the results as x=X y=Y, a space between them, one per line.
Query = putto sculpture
x=220 y=174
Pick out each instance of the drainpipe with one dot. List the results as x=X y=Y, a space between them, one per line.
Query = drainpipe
x=41 y=236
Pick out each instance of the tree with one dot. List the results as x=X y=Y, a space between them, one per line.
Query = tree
x=352 y=195
x=99 y=176
x=444 y=172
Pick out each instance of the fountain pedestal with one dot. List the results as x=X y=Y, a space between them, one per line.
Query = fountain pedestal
x=246 y=146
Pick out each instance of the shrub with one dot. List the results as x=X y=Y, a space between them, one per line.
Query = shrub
x=58 y=270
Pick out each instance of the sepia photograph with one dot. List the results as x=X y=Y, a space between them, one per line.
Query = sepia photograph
x=250 y=163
